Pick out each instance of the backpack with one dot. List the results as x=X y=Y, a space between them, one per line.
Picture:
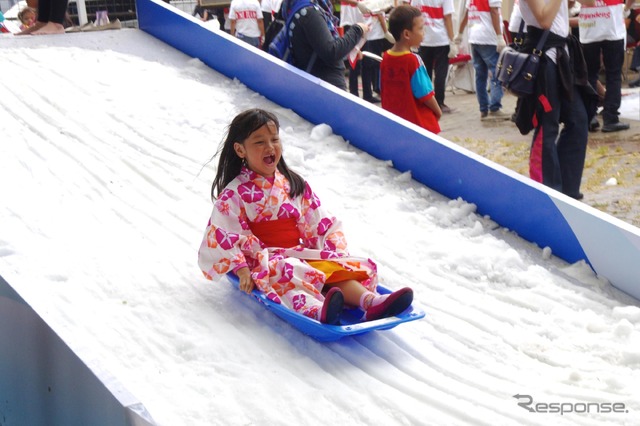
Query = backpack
x=277 y=39
x=272 y=31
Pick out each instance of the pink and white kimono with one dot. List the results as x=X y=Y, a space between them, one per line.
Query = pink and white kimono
x=281 y=273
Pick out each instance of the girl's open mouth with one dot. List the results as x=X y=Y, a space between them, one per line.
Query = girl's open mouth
x=270 y=159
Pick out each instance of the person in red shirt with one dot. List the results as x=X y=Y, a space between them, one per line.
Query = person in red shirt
x=405 y=87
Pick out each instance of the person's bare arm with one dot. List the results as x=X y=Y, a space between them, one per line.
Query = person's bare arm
x=495 y=20
x=544 y=12
x=382 y=21
x=448 y=25
x=463 y=22
x=627 y=7
x=433 y=106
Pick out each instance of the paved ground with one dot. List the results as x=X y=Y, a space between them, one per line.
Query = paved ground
x=610 y=155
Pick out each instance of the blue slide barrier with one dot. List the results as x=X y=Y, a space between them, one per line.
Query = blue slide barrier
x=573 y=230
x=45 y=383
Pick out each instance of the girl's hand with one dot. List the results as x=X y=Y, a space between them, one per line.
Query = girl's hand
x=246 y=282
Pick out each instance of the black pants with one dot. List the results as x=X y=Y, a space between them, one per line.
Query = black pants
x=371 y=68
x=52 y=11
x=612 y=58
x=436 y=60
x=353 y=72
x=558 y=153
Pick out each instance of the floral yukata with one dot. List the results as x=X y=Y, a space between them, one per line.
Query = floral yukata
x=282 y=273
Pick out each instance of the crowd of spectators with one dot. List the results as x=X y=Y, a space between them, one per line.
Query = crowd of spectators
x=582 y=69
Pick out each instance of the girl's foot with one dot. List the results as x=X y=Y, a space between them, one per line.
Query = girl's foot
x=392 y=305
x=332 y=307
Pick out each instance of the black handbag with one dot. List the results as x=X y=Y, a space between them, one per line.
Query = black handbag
x=517 y=71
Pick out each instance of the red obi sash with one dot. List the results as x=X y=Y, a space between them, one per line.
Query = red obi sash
x=284 y=233
x=277 y=233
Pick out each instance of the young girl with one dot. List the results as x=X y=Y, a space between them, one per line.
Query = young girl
x=27 y=17
x=269 y=228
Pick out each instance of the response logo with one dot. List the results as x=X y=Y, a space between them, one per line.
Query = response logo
x=562 y=408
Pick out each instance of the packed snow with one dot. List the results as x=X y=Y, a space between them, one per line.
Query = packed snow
x=105 y=163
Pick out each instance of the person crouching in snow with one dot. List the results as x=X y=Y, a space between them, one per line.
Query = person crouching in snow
x=271 y=230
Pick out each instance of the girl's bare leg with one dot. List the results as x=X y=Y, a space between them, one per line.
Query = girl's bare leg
x=352 y=291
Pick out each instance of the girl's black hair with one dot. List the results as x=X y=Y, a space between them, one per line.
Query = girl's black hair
x=229 y=164
x=401 y=18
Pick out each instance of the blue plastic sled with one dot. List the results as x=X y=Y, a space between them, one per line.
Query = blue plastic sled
x=351 y=319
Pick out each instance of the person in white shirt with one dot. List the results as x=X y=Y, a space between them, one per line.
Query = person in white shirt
x=515 y=20
x=603 y=35
x=437 y=44
x=267 y=12
x=485 y=36
x=376 y=44
x=246 y=21
x=559 y=110
x=350 y=15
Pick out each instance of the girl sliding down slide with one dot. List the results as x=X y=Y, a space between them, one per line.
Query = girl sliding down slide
x=270 y=229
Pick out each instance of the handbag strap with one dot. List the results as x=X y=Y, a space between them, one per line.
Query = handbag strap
x=519 y=38
x=538 y=49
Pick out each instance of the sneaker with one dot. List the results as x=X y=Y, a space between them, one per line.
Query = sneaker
x=332 y=307
x=594 y=125
x=578 y=196
x=113 y=25
x=615 y=127
x=498 y=115
x=394 y=304
x=446 y=109
x=373 y=99
x=483 y=115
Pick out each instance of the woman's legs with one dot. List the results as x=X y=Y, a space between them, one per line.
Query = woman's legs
x=544 y=166
x=557 y=157
x=572 y=144
x=441 y=69
x=482 y=73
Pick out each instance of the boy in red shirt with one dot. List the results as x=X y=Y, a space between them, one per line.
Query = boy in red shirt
x=405 y=87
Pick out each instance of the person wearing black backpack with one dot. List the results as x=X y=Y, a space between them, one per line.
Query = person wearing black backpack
x=315 y=44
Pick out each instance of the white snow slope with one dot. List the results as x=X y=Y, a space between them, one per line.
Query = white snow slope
x=105 y=179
